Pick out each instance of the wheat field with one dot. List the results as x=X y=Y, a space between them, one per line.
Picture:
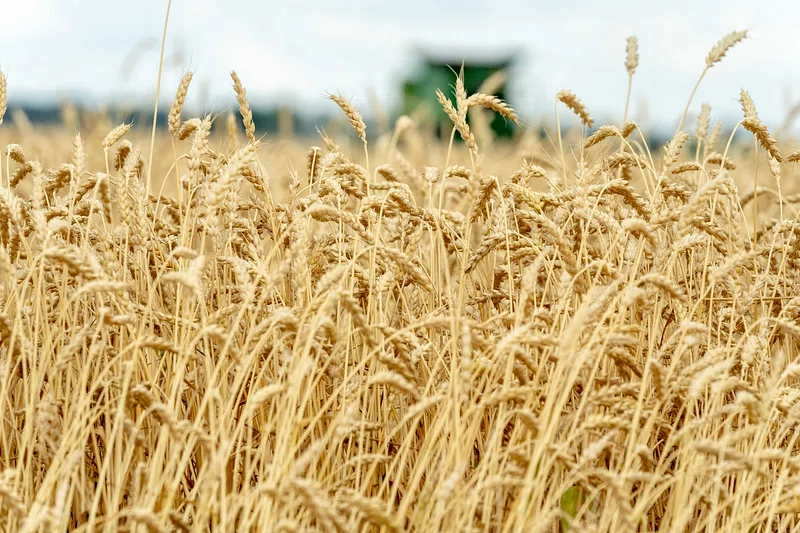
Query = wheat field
x=204 y=329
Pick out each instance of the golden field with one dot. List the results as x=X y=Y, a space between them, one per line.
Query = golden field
x=207 y=330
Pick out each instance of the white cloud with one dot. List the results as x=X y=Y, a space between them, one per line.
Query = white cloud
x=267 y=70
x=24 y=19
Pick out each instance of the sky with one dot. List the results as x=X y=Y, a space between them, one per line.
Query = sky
x=297 y=52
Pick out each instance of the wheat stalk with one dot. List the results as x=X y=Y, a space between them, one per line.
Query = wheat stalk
x=116 y=135
x=356 y=120
x=569 y=99
x=754 y=125
x=3 y=96
x=174 y=117
x=714 y=56
x=244 y=108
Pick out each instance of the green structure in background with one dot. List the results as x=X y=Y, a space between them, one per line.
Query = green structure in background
x=440 y=73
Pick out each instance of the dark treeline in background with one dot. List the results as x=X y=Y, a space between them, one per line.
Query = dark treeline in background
x=274 y=120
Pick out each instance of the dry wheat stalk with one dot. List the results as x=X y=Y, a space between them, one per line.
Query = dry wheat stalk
x=244 y=108
x=315 y=500
x=689 y=166
x=461 y=96
x=722 y=47
x=388 y=173
x=373 y=509
x=14 y=151
x=702 y=122
x=754 y=125
x=493 y=103
x=748 y=106
x=115 y=135
x=188 y=128
x=230 y=126
x=148 y=519
x=174 y=118
x=3 y=96
x=123 y=150
x=459 y=121
x=672 y=150
x=712 y=140
x=313 y=165
x=396 y=381
x=356 y=120
x=604 y=132
x=569 y=99
x=714 y=158
x=631 y=54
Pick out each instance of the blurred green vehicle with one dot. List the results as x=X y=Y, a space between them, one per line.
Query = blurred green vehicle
x=419 y=91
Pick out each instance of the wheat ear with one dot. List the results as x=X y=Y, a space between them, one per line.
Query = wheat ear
x=174 y=120
x=244 y=107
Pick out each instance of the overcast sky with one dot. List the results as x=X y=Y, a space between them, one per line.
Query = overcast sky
x=296 y=52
